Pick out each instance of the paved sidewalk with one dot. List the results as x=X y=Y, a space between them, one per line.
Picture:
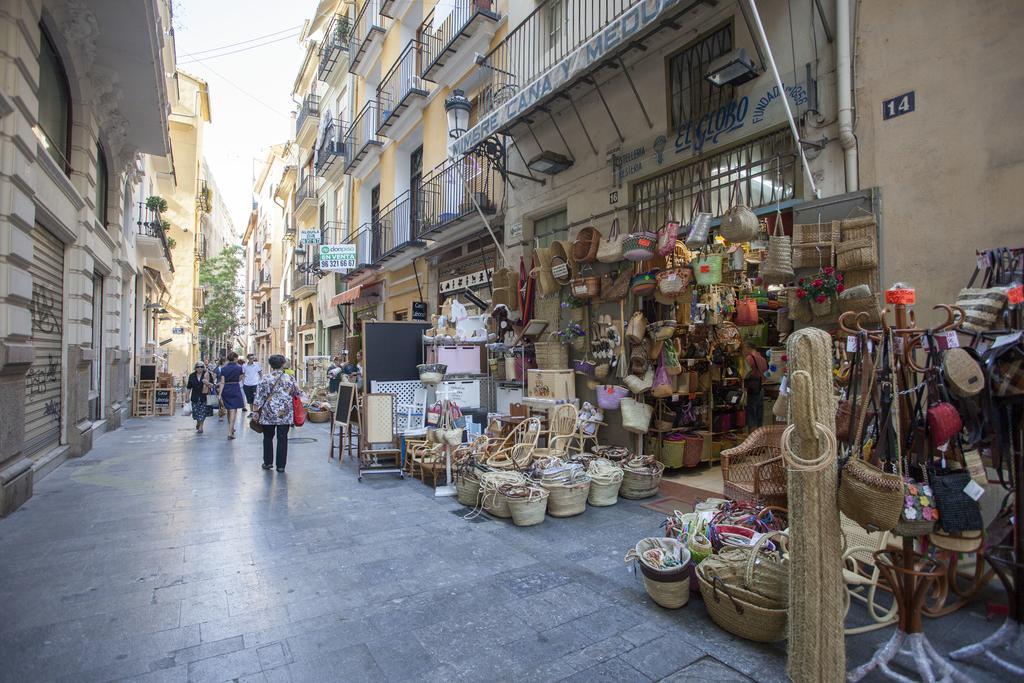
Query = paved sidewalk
x=167 y=556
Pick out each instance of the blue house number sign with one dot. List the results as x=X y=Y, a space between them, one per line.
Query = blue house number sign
x=898 y=106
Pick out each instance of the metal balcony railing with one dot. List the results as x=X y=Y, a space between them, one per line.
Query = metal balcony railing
x=310 y=108
x=549 y=34
x=261 y=323
x=308 y=189
x=330 y=150
x=334 y=45
x=445 y=197
x=150 y=224
x=401 y=83
x=305 y=278
x=201 y=248
x=362 y=135
x=368 y=21
x=437 y=40
x=265 y=276
x=334 y=232
x=203 y=197
x=396 y=228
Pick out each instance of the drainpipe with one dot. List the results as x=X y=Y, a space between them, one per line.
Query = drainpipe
x=844 y=92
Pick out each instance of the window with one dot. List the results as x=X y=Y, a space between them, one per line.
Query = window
x=690 y=95
x=551 y=227
x=101 y=184
x=54 y=103
x=401 y=315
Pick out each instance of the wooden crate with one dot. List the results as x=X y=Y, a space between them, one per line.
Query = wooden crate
x=142 y=403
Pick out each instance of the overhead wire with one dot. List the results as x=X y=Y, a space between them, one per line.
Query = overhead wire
x=242 y=90
x=195 y=53
x=244 y=49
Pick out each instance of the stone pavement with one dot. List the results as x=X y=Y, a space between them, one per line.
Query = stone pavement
x=167 y=556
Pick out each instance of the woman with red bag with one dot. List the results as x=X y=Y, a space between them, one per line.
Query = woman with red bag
x=275 y=411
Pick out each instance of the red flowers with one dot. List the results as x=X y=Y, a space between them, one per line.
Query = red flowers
x=824 y=286
x=800 y=294
x=840 y=288
x=821 y=298
x=828 y=270
x=818 y=282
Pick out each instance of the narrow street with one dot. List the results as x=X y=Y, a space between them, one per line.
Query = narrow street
x=166 y=556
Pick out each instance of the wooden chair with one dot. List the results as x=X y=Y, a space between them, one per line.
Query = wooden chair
x=515 y=451
x=754 y=471
x=862 y=576
x=562 y=428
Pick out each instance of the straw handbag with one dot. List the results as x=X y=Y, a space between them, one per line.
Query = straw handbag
x=542 y=272
x=615 y=287
x=636 y=416
x=857 y=254
x=707 y=269
x=739 y=223
x=637 y=327
x=962 y=373
x=859 y=299
x=561 y=262
x=983 y=308
x=777 y=268
x=610 y=248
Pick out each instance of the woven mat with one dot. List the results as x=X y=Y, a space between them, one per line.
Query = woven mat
x=668 y=505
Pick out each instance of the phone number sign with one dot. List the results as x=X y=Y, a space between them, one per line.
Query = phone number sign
x=337 y=257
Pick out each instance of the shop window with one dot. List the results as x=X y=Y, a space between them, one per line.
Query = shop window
x=54 y=103
x=101 y=184
x=551 y=227
x=401 y=315
x=690 y=94
x=766 y=169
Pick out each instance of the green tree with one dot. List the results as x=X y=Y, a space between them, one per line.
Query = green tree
x=223 y=305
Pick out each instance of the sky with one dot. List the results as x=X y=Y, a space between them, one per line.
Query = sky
x=250 y=89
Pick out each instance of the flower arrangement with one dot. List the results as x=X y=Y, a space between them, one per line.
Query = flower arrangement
x=569 y=333
x=827 y=284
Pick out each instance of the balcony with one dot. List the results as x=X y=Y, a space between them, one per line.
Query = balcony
x=402 y=93
x=396 y=230
x=304 y=281
x=307 y=119
x=535 y=52
x=306 y=197
x=446 y=200
x=367 y=37
x=204 y=197
x=261 y=324
x=334 y=232
x=152 y=239
x=330 y=151
x=265 y=279
x=450 y=47
x=361 y=139
x=334 y=46
x=201 y=248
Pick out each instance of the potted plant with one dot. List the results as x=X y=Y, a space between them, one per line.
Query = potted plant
x=821 y=290
x=156 y=203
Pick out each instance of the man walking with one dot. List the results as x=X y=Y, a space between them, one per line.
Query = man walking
x=253 y=372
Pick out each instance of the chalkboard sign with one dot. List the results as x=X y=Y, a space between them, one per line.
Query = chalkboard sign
x=419 y=310
x=392 y=350
x=346 y=398
x=147 y=373
x=162 y=397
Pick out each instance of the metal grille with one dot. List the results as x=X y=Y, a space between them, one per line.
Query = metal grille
x=690 y=94
x=765 y=168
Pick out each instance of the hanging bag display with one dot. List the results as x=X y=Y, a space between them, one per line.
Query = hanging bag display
x=609 y=250
x=644 y=284
x=561 y=262
x=671 y=357
x=615 y=287
x=636 y=415
x=664 y=384
x=640 y=244
x=637 y=327
x=609 y=396
x=707 y=268
x=586 y=244
x=777 y=268
x=739 y=223
x=700 y=221
x=746 y=312
x=667 y=236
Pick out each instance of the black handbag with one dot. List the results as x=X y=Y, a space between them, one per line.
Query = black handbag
x=957 y=511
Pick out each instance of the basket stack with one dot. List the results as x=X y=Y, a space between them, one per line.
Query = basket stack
x=814 y=244
x=527 y=504
x=605 y=480
x=641 y=478
x=493 y=502
x=858 y=249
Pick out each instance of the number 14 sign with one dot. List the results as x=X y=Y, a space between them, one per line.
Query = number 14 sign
x=898 y=106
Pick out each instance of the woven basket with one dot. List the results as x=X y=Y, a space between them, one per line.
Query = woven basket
x=494 y=503
x=739 y=617
x=586 y=244
x=668 y=594
x=316 y=416
x=641 y=484
x=856 y=255
x=561 y=261
x=859 y=299
x=669 y=588
x=548 y=308
x=869 y=496
x=857 y=228
x=567 y=500
x=661 y=330
x=639 y=246
x=777 y=267
x=603 y=494
x=855 y=278
x=467 y=491
x=813 y=255
x=816 y=233
x=551 y=355
x=526 y=503
x=707 y=269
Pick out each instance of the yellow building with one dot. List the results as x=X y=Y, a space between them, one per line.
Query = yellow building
x=419 y=236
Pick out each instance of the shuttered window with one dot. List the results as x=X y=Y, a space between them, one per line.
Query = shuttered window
x=44 y=380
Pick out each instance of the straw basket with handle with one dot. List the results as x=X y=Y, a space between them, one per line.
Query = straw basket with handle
x=567 y=498
x=551 y=355
x=641 y=478
x=526 y=503
x=586 y=245
x=777 y=268
x=666 y=567
x=605 y=480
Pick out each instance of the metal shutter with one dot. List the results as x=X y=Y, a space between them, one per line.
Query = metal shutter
x=43 y=382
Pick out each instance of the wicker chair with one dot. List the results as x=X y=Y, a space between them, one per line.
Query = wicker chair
x=515 y=451
x=862 y=576
x=754 y=471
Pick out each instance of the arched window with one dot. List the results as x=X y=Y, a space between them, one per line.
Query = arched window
x=101 y=184
x=309 y=314
x=54 y=102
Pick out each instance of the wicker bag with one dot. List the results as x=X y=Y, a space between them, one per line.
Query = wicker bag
x=643 y=284
x=467 y=490
x=586 y=286
x=609 y=396
x=857 y=255
x=859 y=299
x=561 y=262
x=551 y=355
x=667 y=237
x=636 y=416
x=567 y=499
x=707 y=269
x=660 y=330
x=542 y=272
x=962 y=373
x=609 y=250
x=668 y=586
x=527 y=504
x=869 y=496
x=641 y=477
x=605 y=480
x=639 y=385
x=739 y=224
x=615 y=287
x=637 y=327
x=857 y=228
x=777 y=268
x=586 y=244
x=983 y=308
x=700 y=222
x=639 y=246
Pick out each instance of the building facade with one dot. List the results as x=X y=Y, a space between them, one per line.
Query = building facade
x=79 y=106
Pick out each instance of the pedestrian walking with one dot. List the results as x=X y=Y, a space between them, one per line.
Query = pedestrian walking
x=201 y=384
x=216 y=379
x=275 y=410
x=252 y=373
x=231 y=391
x=334 y=375
x=754 y=384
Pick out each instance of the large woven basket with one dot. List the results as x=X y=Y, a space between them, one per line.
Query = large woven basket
x=318 y=416
x=859 y=299
x=856 y=255
x=604 y=493
x=637 y=485
x=467 y=491
x=526 y=503
x=493 y=502
x=812 y=255
x=551 y=355
x=816 y=233
x=669 y=588
x=858 y=228
x=739 y=616
x=567 y=500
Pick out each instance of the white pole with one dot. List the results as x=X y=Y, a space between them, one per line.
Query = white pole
x=844 y=93
x=487 y=223
x=782 y=96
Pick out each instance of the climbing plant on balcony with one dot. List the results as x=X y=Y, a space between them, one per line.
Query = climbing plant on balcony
x=223 y=303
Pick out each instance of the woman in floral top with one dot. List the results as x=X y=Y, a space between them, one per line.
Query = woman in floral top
x=276 y=411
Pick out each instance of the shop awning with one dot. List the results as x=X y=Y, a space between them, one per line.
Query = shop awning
x=347 y=297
